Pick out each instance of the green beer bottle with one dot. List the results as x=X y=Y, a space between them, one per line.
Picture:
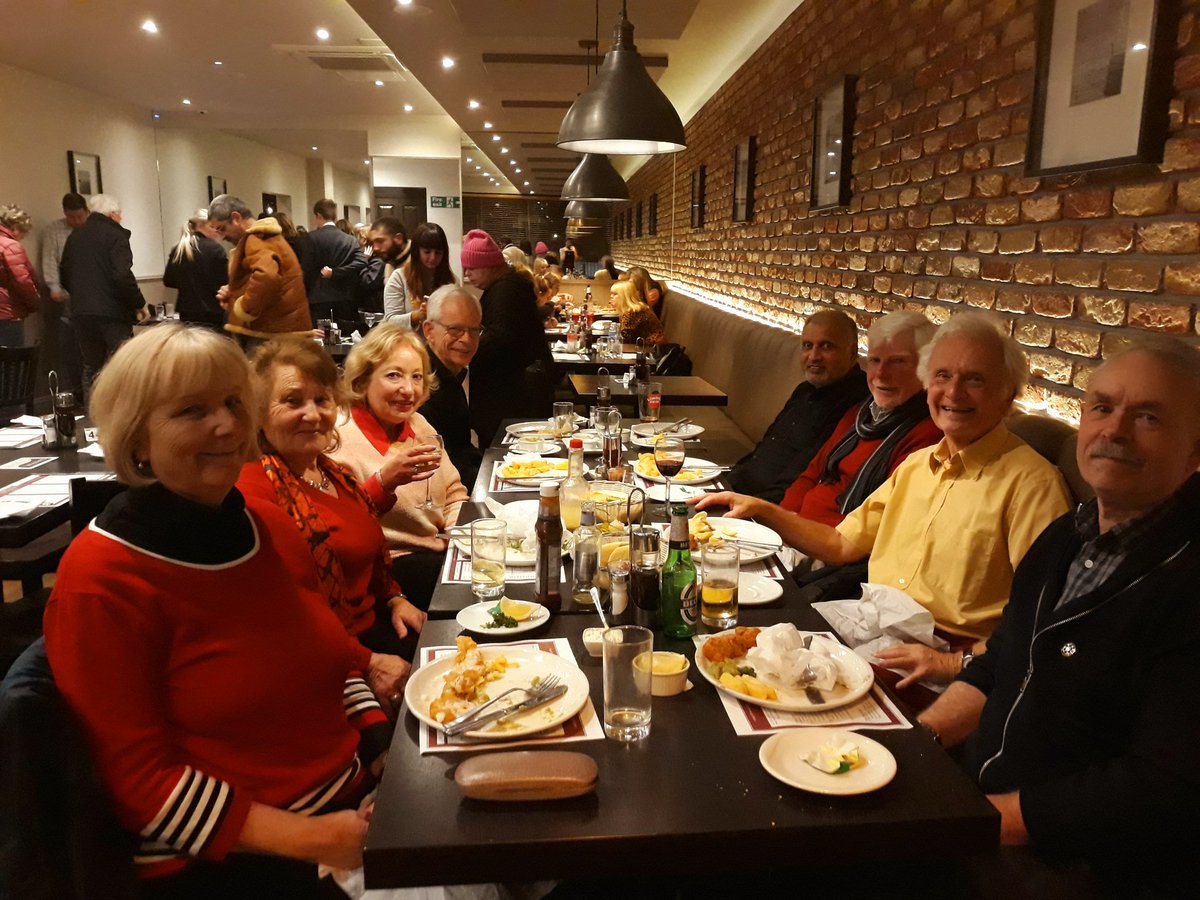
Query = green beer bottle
x=680 y=602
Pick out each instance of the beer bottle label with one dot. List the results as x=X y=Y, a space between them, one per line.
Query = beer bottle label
x=689 y=603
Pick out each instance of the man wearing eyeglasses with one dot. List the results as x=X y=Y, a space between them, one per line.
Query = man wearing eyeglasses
x=452 y=330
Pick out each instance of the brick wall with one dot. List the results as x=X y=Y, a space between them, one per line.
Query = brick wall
x=942 y=216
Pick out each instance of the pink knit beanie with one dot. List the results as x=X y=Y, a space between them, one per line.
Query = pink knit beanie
x=479 y=251
x=540 y=248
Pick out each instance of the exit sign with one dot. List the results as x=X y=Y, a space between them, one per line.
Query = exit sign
x=444 y=202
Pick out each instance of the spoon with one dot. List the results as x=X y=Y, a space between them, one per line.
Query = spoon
x=595 y=592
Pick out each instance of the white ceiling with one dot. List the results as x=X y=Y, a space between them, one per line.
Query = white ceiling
x=267 y=87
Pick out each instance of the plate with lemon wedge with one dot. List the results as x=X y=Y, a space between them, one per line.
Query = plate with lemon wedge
x=503 y=616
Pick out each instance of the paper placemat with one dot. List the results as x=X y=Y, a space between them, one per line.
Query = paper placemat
x=583 y=726
x=48 y=490
x=876 y=711
x=16 y=438
x=457 y=569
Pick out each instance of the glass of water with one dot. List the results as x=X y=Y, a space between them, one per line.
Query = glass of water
x=564 y=417
x=626 y=682
x=488 y=540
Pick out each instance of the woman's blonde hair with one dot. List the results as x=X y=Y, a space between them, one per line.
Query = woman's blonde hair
x=374 y=350
x=311 y=360
x=15 y=218
x=161 y=363
x=546 y=283
x=186 y=247
x=626 y=297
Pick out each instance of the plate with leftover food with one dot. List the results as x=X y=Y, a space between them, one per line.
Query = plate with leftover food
x=827 y=761
x=694 y=471
x=502 y=616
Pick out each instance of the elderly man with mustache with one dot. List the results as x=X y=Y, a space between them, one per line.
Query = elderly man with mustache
x=1082 y=714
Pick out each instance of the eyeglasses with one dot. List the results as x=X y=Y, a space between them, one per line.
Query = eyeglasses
x=458 y=331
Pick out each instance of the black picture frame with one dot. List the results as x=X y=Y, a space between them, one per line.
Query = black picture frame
x=1103 y=84
x=743 y=180
x=697 y=202
x=652 y=225
x=833 y=145
x=216 y=187
x=84 y=172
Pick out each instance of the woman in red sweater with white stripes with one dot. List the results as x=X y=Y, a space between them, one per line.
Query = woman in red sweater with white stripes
x=187 y=633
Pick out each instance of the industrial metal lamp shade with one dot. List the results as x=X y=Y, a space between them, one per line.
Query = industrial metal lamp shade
x=623 y=112
x=595 y=179
x=585 y=209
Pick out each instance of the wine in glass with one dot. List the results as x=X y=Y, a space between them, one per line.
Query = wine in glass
x=669 y=456
x=435 y=439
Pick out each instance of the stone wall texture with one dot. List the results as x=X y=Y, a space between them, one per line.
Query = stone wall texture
x=943 y=216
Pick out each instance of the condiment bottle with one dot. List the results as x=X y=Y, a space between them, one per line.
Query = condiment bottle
x=574 y=489
x=549 y=548
x=679 y=599
x=618 y=577
x=587 y=556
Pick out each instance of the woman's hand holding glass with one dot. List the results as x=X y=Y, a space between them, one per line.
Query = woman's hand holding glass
x=406 y=464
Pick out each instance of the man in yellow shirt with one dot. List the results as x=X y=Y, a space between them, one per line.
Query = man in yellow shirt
x=951 y=523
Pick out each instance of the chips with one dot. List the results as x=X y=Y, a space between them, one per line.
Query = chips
x=532 y=468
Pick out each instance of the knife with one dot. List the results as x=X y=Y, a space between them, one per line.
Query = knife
x=497 y=715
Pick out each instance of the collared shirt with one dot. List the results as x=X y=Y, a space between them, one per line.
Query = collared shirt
x=948 y=529
x=54 y=241
x=1102 y=554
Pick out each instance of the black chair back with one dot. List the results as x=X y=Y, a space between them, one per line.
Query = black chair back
x=18 y=372
x=88 y=499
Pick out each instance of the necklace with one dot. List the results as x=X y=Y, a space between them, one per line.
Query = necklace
x=322 y=485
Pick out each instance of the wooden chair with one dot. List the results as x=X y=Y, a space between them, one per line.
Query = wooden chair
x=18 y=373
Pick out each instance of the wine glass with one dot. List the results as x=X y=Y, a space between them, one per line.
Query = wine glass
x=669 y=456
x=441 y=446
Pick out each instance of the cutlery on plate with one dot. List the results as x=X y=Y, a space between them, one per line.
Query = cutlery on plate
x=538 y=697
x=547 y=683
x=675 y=428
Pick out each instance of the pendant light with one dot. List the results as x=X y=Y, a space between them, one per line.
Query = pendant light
x=595 y=179
x=623 y=111
x=588 y=209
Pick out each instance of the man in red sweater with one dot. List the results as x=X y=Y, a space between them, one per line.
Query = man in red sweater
x=871 y=439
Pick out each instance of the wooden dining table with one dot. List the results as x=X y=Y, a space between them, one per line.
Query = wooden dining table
x=691 y=798
x=677 y=390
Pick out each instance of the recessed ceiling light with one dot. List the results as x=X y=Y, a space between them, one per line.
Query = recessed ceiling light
x=477 y=168
x=187 y=102
x=518 y=171
x=408 y=107
x=527 y=184
x=366 y=162
x=322 y=34
x=447 y=62
x=469 y=159
x=531 y=192
x=837 y=140
x=157 y=115
x=472 y=104
x=150 y=27
x=378 y=83
x=830 y=153
x=487 y=124
x=403 y=3
x=217 y=62
x=1138 y=46
x=314 y=146
x=495 y=137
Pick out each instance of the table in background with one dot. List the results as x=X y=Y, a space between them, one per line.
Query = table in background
x=573 y=362
x=690 y=799
x=677 y=390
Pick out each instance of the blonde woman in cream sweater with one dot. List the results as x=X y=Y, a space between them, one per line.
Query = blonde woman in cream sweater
x=387 y=444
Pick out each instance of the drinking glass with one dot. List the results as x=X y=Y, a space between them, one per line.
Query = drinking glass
x=613 y=455
x=564 y=417
x=488 y=540
x=628 y=650
x=649 y=400
x=669 y=456
x=600 y=417
x=441 y=446
x=719 y=593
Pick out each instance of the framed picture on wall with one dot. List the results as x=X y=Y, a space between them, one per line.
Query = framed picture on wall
x=216 y=187
x=833 y=137
x=743 y=180
x=697 y=218
x=353 y=213
x=84 y=171
x=1104 y=76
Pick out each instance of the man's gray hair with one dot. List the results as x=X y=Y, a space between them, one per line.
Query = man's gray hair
x=105 y=204
x=986 y=329
x=1171 y=352
x=223 y=205
x=894 y=324
x=433 y=309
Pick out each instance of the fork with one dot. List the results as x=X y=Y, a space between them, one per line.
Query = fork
x=544 y=686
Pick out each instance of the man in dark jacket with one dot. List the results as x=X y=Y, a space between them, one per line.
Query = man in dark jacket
x=451 y=331
x=833 y=383
x=97 y=272
x=513 y=372
x=341 y=263
x=1082 y=714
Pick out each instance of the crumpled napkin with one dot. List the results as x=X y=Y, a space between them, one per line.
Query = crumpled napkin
x=884 y=617
x=520 y=521
x=779 y=654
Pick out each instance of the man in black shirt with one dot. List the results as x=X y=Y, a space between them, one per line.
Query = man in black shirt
x=833 y=383
x=451 y=330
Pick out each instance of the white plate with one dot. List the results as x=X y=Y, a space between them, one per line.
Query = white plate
x=642 y=433
x=556 y=474
x=542 y=428
x=782 y=755
x=755 y=590
x=475 y=618
x=536 y=445
x=593 y=441
x=704 y=477
x=426 y=684
x=658 y=492
x=516 y=509
x=794 y=699
x=744 y=529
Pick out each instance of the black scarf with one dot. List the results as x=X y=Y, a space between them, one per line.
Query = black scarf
x=154 y=519
x=892 y=428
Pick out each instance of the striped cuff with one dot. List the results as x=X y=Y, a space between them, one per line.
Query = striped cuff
x=191 y=816
x=359 y=701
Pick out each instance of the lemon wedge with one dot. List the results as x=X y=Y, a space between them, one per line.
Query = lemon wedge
x=516 y=609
